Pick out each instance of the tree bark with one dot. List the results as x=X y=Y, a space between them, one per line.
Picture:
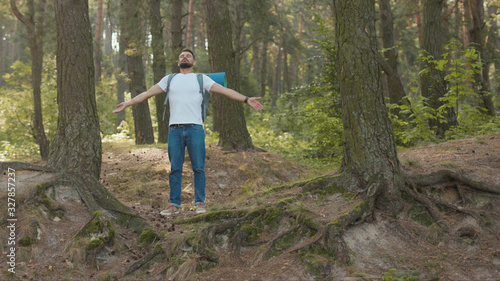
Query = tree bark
x=34 y=23
x=395 y=87
x=476 y=35
x=77 y=145
x=98 y=41
x=189 y=35
x=229 y=115
x=131 y=28
x=432 y=80
x=76 y=150
x=159 y=65
x=369 y=154
x=175 y=34
x=120 y=75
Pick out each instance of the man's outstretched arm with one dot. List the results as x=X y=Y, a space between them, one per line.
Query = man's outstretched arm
x=153 y=91
x=232 y=94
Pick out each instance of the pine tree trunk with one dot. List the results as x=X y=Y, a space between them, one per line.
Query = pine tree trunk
x=76 y=150
x=132 y=29
x=121 y=85
x=369 y=149
x=175 y=34
x=229 y=115
x=477 y=37
x=34 y=23
x=432 y=80
x=394 y=86
x=77 y=145
x=98 y=41
x=159 y=65
x=189 y=34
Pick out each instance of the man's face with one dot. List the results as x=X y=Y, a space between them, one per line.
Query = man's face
x=186 y=60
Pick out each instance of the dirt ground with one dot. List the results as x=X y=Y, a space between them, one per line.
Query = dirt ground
x=138 y=176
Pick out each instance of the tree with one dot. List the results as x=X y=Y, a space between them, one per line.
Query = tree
x=229 y=117
x=34 y=23
x=131 y=28
x=76 y=149
x=159 y=65
x=477 y=38
x=175 y=46
x=98 y=40
x=369 y=157
x=390 y=63
x=432 y=81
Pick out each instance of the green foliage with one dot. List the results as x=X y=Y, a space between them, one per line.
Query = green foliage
x=411 y=126
x=404 y=276
x=306 y=123
x=16 y=109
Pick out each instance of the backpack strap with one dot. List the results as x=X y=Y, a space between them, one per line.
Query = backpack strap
x=204 y=94
x=169 y=79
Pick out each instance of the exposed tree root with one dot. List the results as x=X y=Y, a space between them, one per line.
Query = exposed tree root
x=23 y=166
x=447 y=176
x=157 y=252
x=431 y=207
x=95 y=196
x=241 y=228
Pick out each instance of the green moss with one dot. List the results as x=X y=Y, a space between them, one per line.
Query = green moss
x=27 y=241
x=252 y=232
x=98 y=226
x=363 y=205
x=314 y=264
x=272 y=215
x=285 y=201
x=93 y=244
x=147 y=236
x=420 y=215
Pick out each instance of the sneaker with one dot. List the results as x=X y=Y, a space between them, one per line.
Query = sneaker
x=170 y=211
x=200 y=208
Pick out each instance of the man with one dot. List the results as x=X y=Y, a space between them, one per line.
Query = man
x=186 y=125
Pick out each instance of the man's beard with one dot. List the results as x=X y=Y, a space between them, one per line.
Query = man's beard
x=185 y=65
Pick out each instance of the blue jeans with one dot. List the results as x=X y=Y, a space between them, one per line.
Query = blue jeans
x=192 y=137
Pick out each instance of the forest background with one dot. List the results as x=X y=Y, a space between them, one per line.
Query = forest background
x=282 y=51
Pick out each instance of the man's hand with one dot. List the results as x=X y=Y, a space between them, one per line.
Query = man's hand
x=120 y=107
x=254 y=102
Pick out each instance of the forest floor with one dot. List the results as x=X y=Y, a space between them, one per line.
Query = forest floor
x=138 y=177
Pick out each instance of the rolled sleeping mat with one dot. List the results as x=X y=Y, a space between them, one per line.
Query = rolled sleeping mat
x=219 y=77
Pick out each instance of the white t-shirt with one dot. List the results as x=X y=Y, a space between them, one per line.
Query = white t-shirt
x=184 y=97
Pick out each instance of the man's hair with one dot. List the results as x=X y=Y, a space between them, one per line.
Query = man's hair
x=188 y=50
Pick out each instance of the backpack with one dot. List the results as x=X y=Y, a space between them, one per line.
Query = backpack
x=205 y=94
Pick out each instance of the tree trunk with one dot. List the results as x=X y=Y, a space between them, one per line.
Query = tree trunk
x=131 y=28
x=176 y=34
x=432 y=80
x=369 y=155
x=159 y=65
x=395 y=87
x=263 y=69
x=494 y=43
x=34 y=23
x=98 y=41
x=120 y=73
x=189 y=35
x=77 y=145
x=477 y=37
x=76 y=149
x=233 y=133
